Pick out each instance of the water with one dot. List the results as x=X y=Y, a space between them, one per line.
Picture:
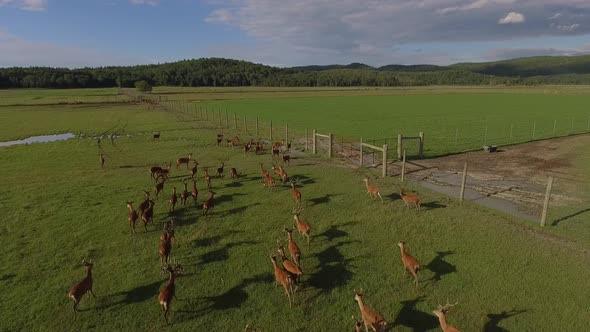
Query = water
x=39 y=139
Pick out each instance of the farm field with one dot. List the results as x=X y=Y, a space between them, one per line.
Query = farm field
x=59 y=207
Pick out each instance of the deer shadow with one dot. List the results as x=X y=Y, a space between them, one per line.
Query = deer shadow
x=333 y=233
x=234 y=184
x=413 y=318
x=494 y=320
x=333 y=269
x=212 y=240
x=439 y=266
x=226 y=198
x=323 y=199
x=432 y=205
x=135 y=295
x=236 y=210
x=222 y=254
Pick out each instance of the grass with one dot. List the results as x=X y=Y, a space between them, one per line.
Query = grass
x=58 y=208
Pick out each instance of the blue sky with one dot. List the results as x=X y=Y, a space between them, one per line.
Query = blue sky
x=77 y=33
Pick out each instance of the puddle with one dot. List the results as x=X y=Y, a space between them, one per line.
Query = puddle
x=39 y=139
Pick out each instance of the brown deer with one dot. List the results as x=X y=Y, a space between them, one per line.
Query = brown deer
x=194 y=170
x=410 y=263
x=84 y=286
x=234 y=173
x=258 y=148
x=289 y=266
x=166 y=242
x=220 y=170
x=410 y=199
x=296 y=193
x=172 y=200
x=183 y=160
x=161 y=172
x=154 y=170
x=280 y=172
x=302 y=227
x=195 y=192
x=284 y=278
x=441 y=313
x=357 y=325
x=286 y=159
x=219 y=139
x=293 y=248
x=146 y=203
x=263 y=172
x=370 y=317
x=159 y=187
x=148 y=214
x=184 y=195
x=132 y=216
x=101 y=160
x=269 y=182
x=207 y=178
x=169 y=291
x=209 y=203
x=276 y=151
x=372 y=190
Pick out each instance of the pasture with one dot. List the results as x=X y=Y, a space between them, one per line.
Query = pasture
x=60 y=207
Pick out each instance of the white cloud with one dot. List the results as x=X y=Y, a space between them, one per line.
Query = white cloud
x=145 y=2
x=555 y=16
x=28 y=5
x=219 y=16
x=566 y=27
x=512 y=18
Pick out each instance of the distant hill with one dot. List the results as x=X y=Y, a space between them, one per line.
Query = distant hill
x=531 y=66
x=354 y=65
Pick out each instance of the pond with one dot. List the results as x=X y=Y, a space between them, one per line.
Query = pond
x=39 y=139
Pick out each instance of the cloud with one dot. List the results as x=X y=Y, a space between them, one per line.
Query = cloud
x=145 y=2
x=566 y=27
x=28 y=5
x=512 y=18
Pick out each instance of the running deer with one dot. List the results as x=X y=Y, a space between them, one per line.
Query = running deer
x=258 y=148
x=263 y=172
x=169 y=291
x=166 y=242
x=172 y=200
x=372 y=190
x=183 y=160
x=280 y=171
x=234 y=173
x=284 y=278
x=220 y=170
x=207 y=178
x=101 y=160
x=154 y=170
x=275 y=150
x=148 y=214
x=303 y=227
x=410 y=263
x=132 y=216
x=289 y=266
x=84 y=286
x=269 y=182
x=369 y=316
x=286 y=159
x=194 y=170
x=195 y=192
x=159 y=187
x=410 y=199
x=208 y=204
x=296 y=193
x=293 y=248
x=357 y=325
x=146 y=203
x=184 y=195
x=161 y=172
x=441 y=313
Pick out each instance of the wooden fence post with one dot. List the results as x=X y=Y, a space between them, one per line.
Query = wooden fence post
x=546 y=204
x=534 y=128
x=271 y=131
x=399 y=146
x=361 y=153
x=554 y=126
x=421 y=147
x=462 y=194
x=403 y=175
x=331 y=138
x=306 y=140
x=384 y=160
x=313 y=142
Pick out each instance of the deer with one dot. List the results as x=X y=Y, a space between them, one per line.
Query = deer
x=184 y=195
x=357 y=325
x=302 y=227
x=280 y=172
x=159 y=172
x=101 y=160
x=410 y=199
x=372 y=190
x=220 y=170
x=275 y=150
x=195 y=192
x=269 y=182
x=132 y=216
x=369 y=316
x=258 y=148
x=219 y=139
x=194 y=170
x=169 y=291
x=148 y=214
x=154 y=170
x=183 y=160
x=159 y=187
x=441 y=313
x=172 y=200
x=263 y=172
x=82 y=287
x=208 y=204
x=247 y=148
x=166 y=242
x=146 y=203
x=410 y=263
x=156 y=136
x=293 y=248
x=289 y=266
x=233 y=173
x=286 y=159
x=296 y=193
x=284 y=278
x=207 y=178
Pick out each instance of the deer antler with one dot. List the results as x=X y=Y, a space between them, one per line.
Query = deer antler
x=447 y=306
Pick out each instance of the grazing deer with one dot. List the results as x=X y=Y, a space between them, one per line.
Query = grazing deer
x=163 y=172
x=410 y=263
x=101 y=160
x=166 y=242
x=148 y=214
x=263 y=172
x=372 y=190
x=357 y=325
x=284 y=278
x=286 y=159
x=269 y=182
x=208 y=204
x=441 y=313
x=207 y=178
x=84 y=286
x=146 y=203
x=303 y=227
x=169 y=291
x=184 y=195
x=194 y=170
x=410 y=199
x=296 y=193
x=289 y=266
x=220 y=170
x=280 y=171
x=172 y=200
x=234 y=173
x=159 y=187
x=293 y=248
x=132 y=216
x=183 y=160
x=370 y=317
x=195 y=192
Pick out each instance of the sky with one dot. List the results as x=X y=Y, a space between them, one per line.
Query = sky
x=80 y=33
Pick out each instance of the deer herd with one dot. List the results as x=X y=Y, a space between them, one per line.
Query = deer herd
x=288 y=272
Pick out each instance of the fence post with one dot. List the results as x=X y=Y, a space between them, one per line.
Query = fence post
x=330 y=145
x=534 y=128
x=421 y=147
x=313 y=142
x=235 y=121
x=462 y=194
x=245 y=124
x=361 y=153
x=384 y=160
x=554 y=126
x=306 y=140
x=226 y=119
x=271 y=131
x=456 y=136
x=403 y=175
x=546 y=204
x=257 y=126
x=399 y=146
x=485 y=136
x=286 y=133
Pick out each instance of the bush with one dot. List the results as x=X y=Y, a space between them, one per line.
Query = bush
x=143 y=86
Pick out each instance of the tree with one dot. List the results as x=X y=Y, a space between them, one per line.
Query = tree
x=143 y=86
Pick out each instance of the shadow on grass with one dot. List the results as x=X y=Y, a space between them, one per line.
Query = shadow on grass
x=7 y=277
x=556 y=222
x=135 y=295
x=212 y=240
x=323 y=199
x=413 y=318
x=439 y=266
x=432 y=206
x=333 y=271
x=334 y=232
x=495 y=319
x=222 y=254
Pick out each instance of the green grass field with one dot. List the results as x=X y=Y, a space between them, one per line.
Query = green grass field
x=59 y=207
